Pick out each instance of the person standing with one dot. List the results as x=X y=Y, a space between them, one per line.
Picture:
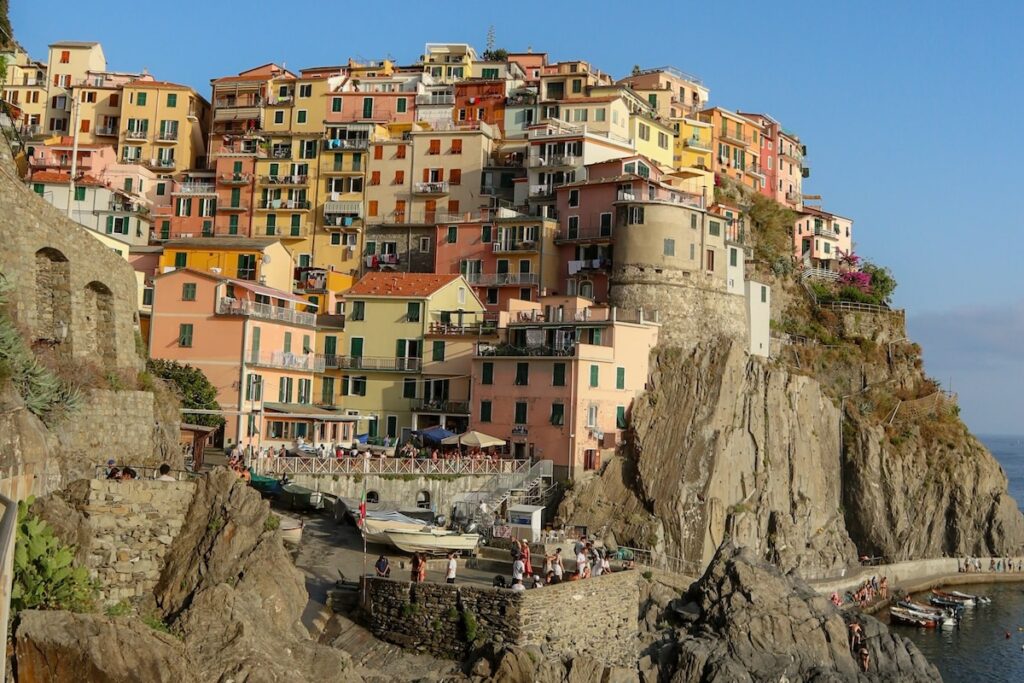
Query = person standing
x=517 y=569
x=449 y=576
x=527 y=564
x=581 y=564
x=556 y=564
x=423 y=567
x=414 y=568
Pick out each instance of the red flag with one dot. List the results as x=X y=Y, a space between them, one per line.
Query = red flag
x=362 y=509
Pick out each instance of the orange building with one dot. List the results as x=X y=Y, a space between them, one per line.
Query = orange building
x=736 y=147
x=481 y=100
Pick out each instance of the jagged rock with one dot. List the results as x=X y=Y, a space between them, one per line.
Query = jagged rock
x=60 y=510
x=230 y=588
x=529 y=664
x=60 y=646
x=725 y=444
x=758 y=624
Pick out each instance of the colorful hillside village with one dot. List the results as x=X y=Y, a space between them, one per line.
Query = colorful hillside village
x=477 y=241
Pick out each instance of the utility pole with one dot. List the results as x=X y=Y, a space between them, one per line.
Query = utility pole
x=74 y=149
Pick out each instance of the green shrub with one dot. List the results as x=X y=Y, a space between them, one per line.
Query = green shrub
x=647 y=574
x=272 y=522
x=469 y=625
x=45 y=576
x=156 y=623
x=215 y=524
x=118 y=609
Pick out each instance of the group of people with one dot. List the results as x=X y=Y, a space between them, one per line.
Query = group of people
x=971 y=565
x=858 y=646
x=236 y=465
x=126 y=473
x=418 y=567
x=590 y=561
x=869 y=590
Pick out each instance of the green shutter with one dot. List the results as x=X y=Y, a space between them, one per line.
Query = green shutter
x=438 y=350
x=233 y=224
x=453 y=234
x=357 y=347
x=336 y=104
x=330 y=345
x=620 y=417
x=557 y=414
x=485 y=234
x=485 y=411
x=273 y=169
x=306 y=347
x=401 y=105
x=520 y=412
x=110 y=229
x=287 y=342
x=522 y=374
x=409 y=388
x=594 y=375
x=236 y=167
x=488 y=373
x=620 y=378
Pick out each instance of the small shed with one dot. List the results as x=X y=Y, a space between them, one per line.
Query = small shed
x=194 y=438
x=525 y=522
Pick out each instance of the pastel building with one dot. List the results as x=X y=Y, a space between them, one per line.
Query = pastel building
x=107 y=210
x=821 y=239
x=791 y=169
x=25 y=88
x=255 y=347
x=162 y=126
x=68 y=62
x=737 y=148
x=263 y=261
x=560 y=381
x=673 y=93
x=56 y=154
x=388 y=320
x=448 y=62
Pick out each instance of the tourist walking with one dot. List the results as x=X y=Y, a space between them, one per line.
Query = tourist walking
x=423 y=567
x=449 y=576
x=414 y=568
x=556 y=565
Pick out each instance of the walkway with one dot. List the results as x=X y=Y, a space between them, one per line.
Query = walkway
x=386 y=466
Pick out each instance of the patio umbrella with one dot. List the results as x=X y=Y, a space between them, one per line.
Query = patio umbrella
x=473 y=438
x=434 y=435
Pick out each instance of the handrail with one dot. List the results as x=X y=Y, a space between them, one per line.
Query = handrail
x=146 y=472
x=647 y=557
x=363 y=465
x=8 y=527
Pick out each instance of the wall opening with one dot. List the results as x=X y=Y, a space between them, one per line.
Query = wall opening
x=53 y=297
x=99 y=339
x=423 y=500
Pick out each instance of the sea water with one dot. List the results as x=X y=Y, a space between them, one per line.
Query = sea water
x=979 y=651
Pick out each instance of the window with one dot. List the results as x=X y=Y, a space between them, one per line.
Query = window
x=435 y=147
x=710 y=260
x=400 y=152
x=142 y=99
x=300 y=116
x=455 y=177
x=375 y=177
x=577 y=85
x=453 y=234
x=409 y=387
x=180 y=259
x=522 y=374
x=279 y=117
x=305 y=390
x=284 y=390
x=412 y=312
x=662 y=141
x=636 y=215
x=520 y=416
x=670 y=247
x=620 y=378
x=714 y=228
x=425 y=245
x=489 y=74
x=401 y=105
x=733 y=257
x=172 y=99
x=188 y=291
x=65 y=56
x=595 y=375
x=185 y=335
x=359 y=387
x=644 y=131
x=79 y=194
x=764 y=294
x=372 y=207
x=620 y=417
x=399 y=178
x=492 y=296
x=574 y=198
x=558 y=375
x=147 y=296
x=437 y=350
x=306 y=90
x=558 y=414
x=487 y=373
x=599 y=114
x=336 y=104
x=358 y=310
x=485 y=411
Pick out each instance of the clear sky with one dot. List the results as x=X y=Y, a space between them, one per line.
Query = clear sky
x=908 y=109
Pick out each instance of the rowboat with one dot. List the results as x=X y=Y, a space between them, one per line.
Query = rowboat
x=978 y=599
x=265 y=485
x=909 y=618
x=946 y=618
x=961 y=598
x=297 y=497
x=377 y=524
x=431 y=540
x=290 y=529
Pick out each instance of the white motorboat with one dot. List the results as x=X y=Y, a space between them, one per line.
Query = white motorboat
x=431 y=540
x=290 y=529
x=375 y=530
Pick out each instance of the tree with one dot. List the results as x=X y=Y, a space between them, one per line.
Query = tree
x=6 y=33
x=499 y=55
x=883 y=284
x=195 y=389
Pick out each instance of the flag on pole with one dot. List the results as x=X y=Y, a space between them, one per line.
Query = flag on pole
x=362 y=508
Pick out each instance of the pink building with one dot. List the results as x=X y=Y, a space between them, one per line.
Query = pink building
x=255 y=347
x=560 y=384
x=380 y=107
x=821 y=239
x=56 y=156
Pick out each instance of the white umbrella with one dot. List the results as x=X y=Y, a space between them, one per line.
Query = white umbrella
x=473 y=438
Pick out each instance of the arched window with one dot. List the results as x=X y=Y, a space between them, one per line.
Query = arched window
x=372 y=497
x=423 y=500
x=99 y=313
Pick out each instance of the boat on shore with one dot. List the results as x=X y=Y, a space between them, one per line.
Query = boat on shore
x=946 y=618
x=431 y=540
x=290 y=529
x=944 y=599
x=907 y=617
x=377 y=524
x=978 y=599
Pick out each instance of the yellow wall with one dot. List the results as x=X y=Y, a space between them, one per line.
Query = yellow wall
x=697 y=153
x=651 y=148
x=190 y=143
x=278 y=269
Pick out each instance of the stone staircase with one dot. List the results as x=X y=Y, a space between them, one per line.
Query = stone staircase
x=526 y=487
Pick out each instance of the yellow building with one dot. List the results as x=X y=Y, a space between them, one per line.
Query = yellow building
x=693 y=144
x=448 y=62
x=99 y=98
x=654 y=138
x=370 y=69
x=68 y=64
x=737 y=147
x=163 y=126
x=25 y=87
x=262 y=260
x=340 y=189
x=389 y=317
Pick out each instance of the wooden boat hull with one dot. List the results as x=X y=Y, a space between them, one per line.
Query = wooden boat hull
x=908 y=618
x=291 y=530
x=376 y=530
x=432 y=541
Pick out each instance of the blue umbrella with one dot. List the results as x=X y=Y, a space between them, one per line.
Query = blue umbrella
x=434 y=435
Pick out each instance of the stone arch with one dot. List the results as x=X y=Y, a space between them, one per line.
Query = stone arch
x=52 y=296
x=423 y=500
x=99 y=339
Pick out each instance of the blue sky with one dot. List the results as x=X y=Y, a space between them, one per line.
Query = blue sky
x=908 y=110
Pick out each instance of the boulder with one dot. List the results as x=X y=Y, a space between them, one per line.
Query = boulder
x=56 y=646
x=758 y=624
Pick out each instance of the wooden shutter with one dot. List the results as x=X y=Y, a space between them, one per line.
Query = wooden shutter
x=456 y=176
x=378 y=152
x=426 y=175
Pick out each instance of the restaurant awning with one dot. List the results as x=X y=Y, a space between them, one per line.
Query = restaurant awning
x=266 y=291
x=301 y=411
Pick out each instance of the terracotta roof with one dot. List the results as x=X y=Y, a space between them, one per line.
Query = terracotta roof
x=401 y=284
x=155 y=84
x=220 y=242
x=53 y=177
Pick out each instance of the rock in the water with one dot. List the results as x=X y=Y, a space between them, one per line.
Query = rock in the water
x=757 y=624
x=61 y=646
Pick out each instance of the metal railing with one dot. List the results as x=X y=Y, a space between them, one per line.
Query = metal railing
x=487 y=349
x=500 y=487
x=697 y=143
x=435 y=99
x=296 y=179
x=107 y=131
x=820 y=274
x=441 y=406
x=511 y=246
x=652 y=559
x=589 y=232
x=470 y=329
x=235 y=178
x=145 y=472
x=366 y=465
x=136 y=134
x=862 y=307
x=502 y=279
x=195 y=188
x=440 y=187
x=541 y=190
x=341 y=144
x=372 y=363
x=286 y=360
x=230 y=306
x=167 y=135
x=554 y=160
x=275 y=204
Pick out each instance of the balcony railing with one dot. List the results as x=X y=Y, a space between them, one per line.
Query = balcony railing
x=235 y=178
x=489 y=349
x=379 y=260
x=826 y=232
x=285 y=360
x=195 y=188
x=511 y=246
x=136 y=134
x=794 y=197
x=589 y=264
x=372 y=363
x=471 y=329
x=435 y=99
x=276 y=204
x=440 y=406
x=242 y=148
x=502 y=279
x=734 y=137
x=754 y=169
x=106 y=131
x=698 y=144
x=554 y=160
x=361 y=466
x=121 y=206
x=284 y=179
x=589 y=232
x=341 y=210
x=231 y=306
x=341 y=144
x=161 y=163
x=167 y=135
x=431 y=188
x=542 y=190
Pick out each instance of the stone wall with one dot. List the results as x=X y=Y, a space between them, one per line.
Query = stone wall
x=441 y=618
x=411 y=259
x=70 y=290
x=400 y=489
x=881 y=328
x=133 y=525
x=597 y=616
x=125 y=425
x=690 y=310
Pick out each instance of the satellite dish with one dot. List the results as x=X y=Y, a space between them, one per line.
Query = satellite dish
x=266 y=258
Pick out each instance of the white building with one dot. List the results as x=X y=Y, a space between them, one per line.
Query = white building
x=115 y=212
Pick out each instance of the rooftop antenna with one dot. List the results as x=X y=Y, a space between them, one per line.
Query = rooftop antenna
x=490 y=38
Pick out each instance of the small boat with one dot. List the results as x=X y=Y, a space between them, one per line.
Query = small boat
x=265 y=485
x=377 y=524
x=909 y=618
x=431 y=540
x=946 y=618
x=978 y=599
x=291 y=529
x=962 y=599
x=297 y=497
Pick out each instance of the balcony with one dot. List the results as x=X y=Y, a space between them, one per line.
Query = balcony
x=509 y=246
x=697 y=145
x=242 y=148
x=827 y=233
x=381 y=260
x=373 y=363
x=791 y=152
x=625 y=196
x=167 y=136
x=588 y=233
x=303 y=362
x=160 y=163
x=340 y=145
x=735 y=138
x=230 y=306
x=233 y=208
x=555 y=161
x=794 y=197
x=283 y=204
x=106 y=131
x=503 y=279
x=429 y=99
x=284 y=179
x=542 y=191
x=119 y=205
x=440 y=406
x=431 y=189
x=235 y=178
x=136 y=134
x=754 y=170
x=342 y=214
x=486 y=349
x=590 y=264
x=195 y=188
x=474 y=329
